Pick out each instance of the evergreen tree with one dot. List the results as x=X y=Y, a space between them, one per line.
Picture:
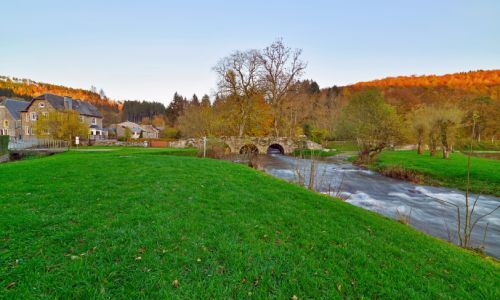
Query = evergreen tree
x=175 y=108
x=205 y=100
x=195 y=100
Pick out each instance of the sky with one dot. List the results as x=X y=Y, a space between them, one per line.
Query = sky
x=147 y=50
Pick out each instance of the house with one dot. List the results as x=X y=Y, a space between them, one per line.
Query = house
x=10 y=117
x=150 y=132
x=46 y=103
x=136 y=131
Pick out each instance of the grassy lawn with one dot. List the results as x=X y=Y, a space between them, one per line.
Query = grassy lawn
x=452 y=172
x=128 y=223
x=343 y=145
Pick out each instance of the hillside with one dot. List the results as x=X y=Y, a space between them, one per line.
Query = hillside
x=176 y=231
x=472 y=80
x=28 y=89
x=462 y=89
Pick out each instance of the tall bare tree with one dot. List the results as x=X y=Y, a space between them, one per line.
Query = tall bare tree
x=281 y=67
x=237 y=79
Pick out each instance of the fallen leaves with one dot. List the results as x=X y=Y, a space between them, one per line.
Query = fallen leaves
x=175 y=283
x=10 y=285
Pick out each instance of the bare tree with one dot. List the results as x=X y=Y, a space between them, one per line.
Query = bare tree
x=238 y=79
x=281 y=67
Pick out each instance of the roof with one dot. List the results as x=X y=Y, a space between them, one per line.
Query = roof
x=149 y=128
x=82 y=107
x=15 y=107
x=136 y=127
x=128 y=124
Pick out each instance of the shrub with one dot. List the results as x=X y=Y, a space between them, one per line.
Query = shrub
x=215 y=149
x=4 y=144
x=170 y=132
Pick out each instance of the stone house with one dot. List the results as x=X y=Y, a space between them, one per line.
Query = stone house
x=150 y=132
x=136 y=130
x=46 y=103
x=10 y=117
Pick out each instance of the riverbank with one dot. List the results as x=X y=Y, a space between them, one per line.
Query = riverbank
x=143 y=223
x=452 y=172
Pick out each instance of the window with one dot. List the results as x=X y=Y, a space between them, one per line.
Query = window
x=94 y=121
x=5 y=123
x=27 y=130
x=33 y=116
x=27 y=116
x=45 y=114
x=81 y=119
x=41 y=104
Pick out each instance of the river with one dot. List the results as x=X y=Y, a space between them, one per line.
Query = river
x=392 y=197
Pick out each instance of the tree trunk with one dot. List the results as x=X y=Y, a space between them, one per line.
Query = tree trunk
x=444 y=141
x=446 y=152
x=275 y=125
x=420 y=141
x=432 y=146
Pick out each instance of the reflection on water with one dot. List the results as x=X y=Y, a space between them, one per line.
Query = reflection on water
x=389 y=197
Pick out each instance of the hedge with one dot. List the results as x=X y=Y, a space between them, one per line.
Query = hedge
x=4 y=144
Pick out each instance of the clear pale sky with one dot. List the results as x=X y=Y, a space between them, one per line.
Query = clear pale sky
x=150 y=49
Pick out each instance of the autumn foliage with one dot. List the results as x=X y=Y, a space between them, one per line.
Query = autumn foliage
x=473 y=80
x=28 y=89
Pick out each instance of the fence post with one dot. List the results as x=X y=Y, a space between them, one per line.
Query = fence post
x=204 y=146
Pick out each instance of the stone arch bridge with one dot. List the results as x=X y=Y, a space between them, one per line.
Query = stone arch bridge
x=262 y=145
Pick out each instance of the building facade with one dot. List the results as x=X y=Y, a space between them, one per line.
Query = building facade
x=135 y=130
x=10 y=117
x=47 y=103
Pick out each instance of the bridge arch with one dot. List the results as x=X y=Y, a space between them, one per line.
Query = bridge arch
x=249 y=149
x=275 y=148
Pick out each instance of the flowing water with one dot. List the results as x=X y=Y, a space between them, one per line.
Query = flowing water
x=393 y=198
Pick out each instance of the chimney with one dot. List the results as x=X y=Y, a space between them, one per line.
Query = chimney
x=68 y=103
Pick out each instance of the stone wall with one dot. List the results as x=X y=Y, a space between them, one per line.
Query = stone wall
x=117 y=143
x=262 y=143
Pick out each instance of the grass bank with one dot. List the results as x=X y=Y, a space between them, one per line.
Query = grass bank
x=452 y=172
x=314 y=153
x=342 y=145
x=133 y=223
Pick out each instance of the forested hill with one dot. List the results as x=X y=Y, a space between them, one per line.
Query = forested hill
x=28 y=89
x=407 y=92
x=463 y=80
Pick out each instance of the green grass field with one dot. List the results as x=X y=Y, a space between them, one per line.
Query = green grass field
x=127 y=223
x=452 y=172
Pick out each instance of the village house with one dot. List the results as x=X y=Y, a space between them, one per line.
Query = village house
x=10 y=117
x=46 y=103
x=135 y=130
